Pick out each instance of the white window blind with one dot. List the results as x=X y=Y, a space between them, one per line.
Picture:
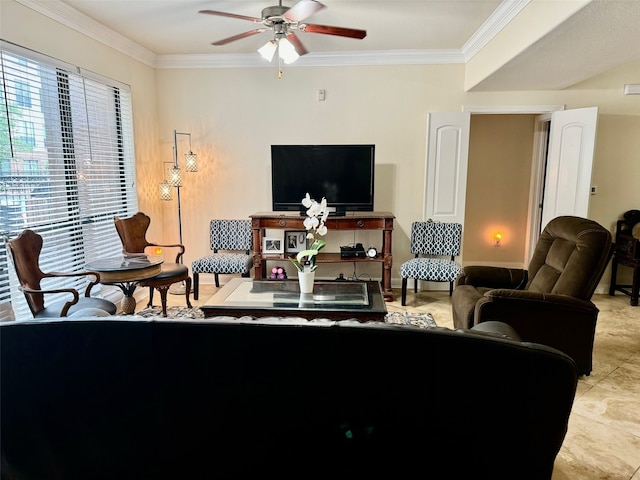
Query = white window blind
x=67 y=164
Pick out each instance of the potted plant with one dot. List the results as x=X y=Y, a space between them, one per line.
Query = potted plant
x=305 y=261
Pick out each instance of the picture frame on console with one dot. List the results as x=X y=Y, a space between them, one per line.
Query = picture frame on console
x=272 y=246
x=295 y=241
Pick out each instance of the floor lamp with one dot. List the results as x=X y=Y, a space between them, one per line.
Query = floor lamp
x=174 y=180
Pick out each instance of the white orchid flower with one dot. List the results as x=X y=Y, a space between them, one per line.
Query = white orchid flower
x=324 y=209
x=314 y=223
x=311 y=223
x=314 y=210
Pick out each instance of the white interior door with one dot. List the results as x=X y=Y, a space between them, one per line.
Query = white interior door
x=569 y=163
x=446 y=173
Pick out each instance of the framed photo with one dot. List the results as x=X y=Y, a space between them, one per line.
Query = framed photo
x=272 y=245
x=295 y=241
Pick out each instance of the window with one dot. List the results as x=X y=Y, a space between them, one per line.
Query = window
x=25 y=133
x=23 y=96
x=67 y=163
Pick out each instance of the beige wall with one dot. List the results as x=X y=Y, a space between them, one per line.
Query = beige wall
x=234 y=115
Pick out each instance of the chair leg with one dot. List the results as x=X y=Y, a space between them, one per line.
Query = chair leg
x=450 y=288
x=217 y=280
x=404 y=292
x=163 y=298
x=196 y=285
x=415 y=285
x=150 y=304
x=187 y=290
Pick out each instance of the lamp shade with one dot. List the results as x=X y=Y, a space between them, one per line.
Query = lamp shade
x=286 y=51
x=165 y=191
x=268 y=50
x=191 y=162
x=175 y=176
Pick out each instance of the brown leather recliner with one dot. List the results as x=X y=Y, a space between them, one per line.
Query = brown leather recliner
x=550 y=303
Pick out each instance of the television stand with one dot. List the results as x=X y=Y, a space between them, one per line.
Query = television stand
x=382 y=221
x=332 y=213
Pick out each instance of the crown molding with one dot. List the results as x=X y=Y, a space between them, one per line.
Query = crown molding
x=499 y=19
x=72 y=18
x=326 y=59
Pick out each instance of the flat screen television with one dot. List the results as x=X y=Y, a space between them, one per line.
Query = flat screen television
x=343 y=174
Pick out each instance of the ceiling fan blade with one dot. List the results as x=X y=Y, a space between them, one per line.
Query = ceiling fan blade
x=297 y=44
x=231 y=15
x=224 y=41
x=328 y=30
x=303 y=9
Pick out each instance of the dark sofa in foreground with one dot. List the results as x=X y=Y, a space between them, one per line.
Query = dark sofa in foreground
x=227 y=398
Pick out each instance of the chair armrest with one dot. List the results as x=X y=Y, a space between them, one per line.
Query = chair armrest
x=85 y=273
x=67 y=305
x=493 y=277
x=527 y=310
x=559 y=321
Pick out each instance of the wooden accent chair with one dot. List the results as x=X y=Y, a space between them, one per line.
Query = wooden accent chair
x=132 y=232
x=25 y=254
x=550 y=303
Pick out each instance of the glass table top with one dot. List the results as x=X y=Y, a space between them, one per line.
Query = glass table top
x=257 y=294
x=279 y=292
x=124 y=262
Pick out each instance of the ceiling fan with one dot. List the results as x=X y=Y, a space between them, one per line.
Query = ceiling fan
x=283 y=21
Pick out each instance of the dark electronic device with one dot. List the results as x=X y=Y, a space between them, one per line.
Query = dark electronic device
x=343 y=174
x=350 y=251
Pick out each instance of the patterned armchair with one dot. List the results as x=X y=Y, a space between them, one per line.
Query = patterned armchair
x=430 y=241
x=235 y=238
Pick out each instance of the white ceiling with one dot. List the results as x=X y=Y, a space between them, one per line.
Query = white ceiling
x=171 y=33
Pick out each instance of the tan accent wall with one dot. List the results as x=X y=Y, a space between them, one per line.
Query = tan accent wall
x=500 y=156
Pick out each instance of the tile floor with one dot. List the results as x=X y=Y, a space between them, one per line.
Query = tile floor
x=603 y=440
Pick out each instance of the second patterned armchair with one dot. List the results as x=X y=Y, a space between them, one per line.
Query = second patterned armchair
x=231 y=242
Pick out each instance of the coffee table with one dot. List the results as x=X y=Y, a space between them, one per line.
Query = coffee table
x=333 y=300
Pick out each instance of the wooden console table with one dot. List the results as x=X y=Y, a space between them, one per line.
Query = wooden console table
x=382 y=221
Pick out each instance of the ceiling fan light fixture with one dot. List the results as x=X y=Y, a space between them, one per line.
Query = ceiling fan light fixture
x=268 y=50
x=287 y=51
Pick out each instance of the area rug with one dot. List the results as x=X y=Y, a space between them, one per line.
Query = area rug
x=422 y=320
x=172 y=312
